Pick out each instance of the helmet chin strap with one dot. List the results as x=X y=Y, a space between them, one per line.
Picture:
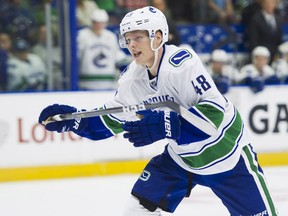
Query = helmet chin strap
x=155 y=54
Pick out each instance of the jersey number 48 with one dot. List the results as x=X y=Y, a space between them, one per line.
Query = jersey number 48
x=201 y=85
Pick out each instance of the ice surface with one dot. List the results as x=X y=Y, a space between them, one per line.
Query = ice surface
x=106 y=196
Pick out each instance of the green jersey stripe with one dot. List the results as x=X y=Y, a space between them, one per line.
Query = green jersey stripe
x=260 y=178
x=219 y=150
x=96 y=77
x=113 y=125
x=212 y=113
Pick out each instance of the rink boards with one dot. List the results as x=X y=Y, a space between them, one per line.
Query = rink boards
x=28 y=152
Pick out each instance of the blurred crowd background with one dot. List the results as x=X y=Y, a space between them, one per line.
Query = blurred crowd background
x=241 y=42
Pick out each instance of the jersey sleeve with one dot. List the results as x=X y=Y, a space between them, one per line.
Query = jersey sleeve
x=101 y=127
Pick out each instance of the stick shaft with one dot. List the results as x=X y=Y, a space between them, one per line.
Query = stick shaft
x=186 y=114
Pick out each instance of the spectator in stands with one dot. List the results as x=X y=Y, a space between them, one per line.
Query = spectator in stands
x=40 y=49
x=282 y=8
x=221 y=11
x=17 y=20
x=26 y=71
x=223 y=73
x=99 y=54
x=37 y=8
x=187 y=11
x=249 y=11
x=258 y=73
x=246 y=16
x=174 y=37
x=84 y=10
x=265 y=28
x=121 y=7
x=162 y=6
x=199 y=11
x=5 y=42
x=130 y=5
x=5 y=52
x=280 y=65
x=117 y=9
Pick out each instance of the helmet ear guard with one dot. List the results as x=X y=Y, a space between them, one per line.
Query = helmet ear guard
x=147 y=18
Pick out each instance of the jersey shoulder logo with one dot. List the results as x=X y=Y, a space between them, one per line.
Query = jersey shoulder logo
x=179 y=57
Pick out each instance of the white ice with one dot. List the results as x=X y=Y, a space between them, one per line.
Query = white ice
x=106 y=196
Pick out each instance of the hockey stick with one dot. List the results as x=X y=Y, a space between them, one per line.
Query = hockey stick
x=187 y=115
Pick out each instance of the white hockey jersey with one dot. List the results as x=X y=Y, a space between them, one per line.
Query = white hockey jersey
x=251 y=71
x=280 y=67
x=183 y=79
x=228 y=71
x=26 y=75
x=98 y=56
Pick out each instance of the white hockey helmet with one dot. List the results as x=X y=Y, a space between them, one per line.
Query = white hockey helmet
x=100 y=15
x=219 y=55
x=261 y=51
x=147 y=18
x=283 y=48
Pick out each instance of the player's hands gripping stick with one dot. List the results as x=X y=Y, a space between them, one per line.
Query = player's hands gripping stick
x=153 y=126
x=51 y=112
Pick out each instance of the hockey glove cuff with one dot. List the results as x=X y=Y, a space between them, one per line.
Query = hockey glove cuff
x=154 y=126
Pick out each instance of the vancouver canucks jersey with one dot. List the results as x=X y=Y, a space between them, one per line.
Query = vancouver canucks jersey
x=98 y=55
x=182 y=78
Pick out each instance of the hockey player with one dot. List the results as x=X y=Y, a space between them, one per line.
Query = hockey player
x=224 y=161
x=222 y=71
x=259 y=72
x=99 y=54
x=26 y=70
x=280 y=64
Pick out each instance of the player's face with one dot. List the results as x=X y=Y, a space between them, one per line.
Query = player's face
x=98 y=26
x=5 y=42
x=217 y=66
x=138 y=44
x=260 y=61
x=269 y=6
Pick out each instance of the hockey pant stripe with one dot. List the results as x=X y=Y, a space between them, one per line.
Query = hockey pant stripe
x=252 y=166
